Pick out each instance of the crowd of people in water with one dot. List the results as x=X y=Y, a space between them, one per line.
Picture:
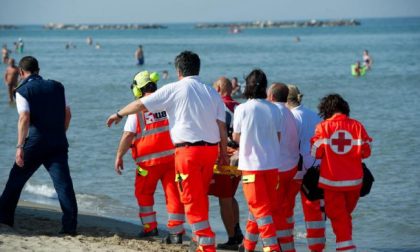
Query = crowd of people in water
x=199 y=141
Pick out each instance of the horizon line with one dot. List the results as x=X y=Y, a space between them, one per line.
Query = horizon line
x=201 y=22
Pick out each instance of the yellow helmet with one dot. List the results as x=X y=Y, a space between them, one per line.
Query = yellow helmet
x=141 y=79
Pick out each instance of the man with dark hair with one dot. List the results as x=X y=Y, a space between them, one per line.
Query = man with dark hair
x=44 y=119
x=256 y=84
x=289 y=158
x=188 y=63
x=197 y=125
x=341 y=143
x=256 y=127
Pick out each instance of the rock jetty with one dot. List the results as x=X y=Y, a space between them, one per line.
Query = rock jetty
x=8 y=27
x=56 y=26
x=280 y=24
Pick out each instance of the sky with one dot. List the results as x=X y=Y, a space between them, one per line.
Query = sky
x=182 y=11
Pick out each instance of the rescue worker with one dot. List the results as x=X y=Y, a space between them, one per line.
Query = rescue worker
x=256 y=127
x=306 y=121
x=224 y=185
x=341 y=143
x=153 y=151
x=289 y=158
x=197 y=126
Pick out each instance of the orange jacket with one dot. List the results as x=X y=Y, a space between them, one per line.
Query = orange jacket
x=341 y=143
x=153 y=144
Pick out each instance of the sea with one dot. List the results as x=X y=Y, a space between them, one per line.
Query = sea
x=386 y=100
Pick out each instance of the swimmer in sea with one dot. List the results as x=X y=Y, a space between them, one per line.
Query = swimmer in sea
x=367 y=60
x=139 y=55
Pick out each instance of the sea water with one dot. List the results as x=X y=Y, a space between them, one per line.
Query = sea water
x=97 y=84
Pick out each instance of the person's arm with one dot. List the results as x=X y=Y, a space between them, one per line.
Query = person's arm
x=125 y=143
x=318 y=143
x=366 y=150
x=131 y=108
x=5 y=77
x=68 y=118
x=23 y=127
x=223 y=157
x=236 y=137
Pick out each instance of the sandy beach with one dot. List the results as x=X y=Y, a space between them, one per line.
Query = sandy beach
x=36 y=229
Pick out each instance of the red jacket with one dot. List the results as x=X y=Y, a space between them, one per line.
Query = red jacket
x=153 y=144
x=341 y=143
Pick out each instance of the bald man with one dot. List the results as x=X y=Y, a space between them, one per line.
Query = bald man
x=224 y=186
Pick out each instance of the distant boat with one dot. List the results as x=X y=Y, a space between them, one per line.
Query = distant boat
x=234 y=29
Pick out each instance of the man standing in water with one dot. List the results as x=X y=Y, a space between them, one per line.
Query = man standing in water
x=11 y=78
x=44 y=119
x=139 y=55
x=197 y=125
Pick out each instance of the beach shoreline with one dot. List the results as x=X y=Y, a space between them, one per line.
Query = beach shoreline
x=36 y=229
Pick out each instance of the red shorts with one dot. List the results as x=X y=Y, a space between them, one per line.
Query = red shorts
x=224 y=186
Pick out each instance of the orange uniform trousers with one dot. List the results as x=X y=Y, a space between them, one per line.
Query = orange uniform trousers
x=286 y=196
x=194 y=171
x=338 y=206
x=260 y=190
x=145 y=187
x=315 y=222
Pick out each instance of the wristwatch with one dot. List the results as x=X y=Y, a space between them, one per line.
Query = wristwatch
x=19 y=146
x=119 y=116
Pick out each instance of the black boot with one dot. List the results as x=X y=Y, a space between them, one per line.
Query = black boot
x=238 y=234
x=172 y=239
x=152 y=233
x=231 y=244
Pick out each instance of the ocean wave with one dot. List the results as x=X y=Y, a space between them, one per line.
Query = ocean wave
x=44 y=194
x=41 y=190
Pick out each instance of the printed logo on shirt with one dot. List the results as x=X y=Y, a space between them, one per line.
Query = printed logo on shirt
x=341 y=142
x=154 y=117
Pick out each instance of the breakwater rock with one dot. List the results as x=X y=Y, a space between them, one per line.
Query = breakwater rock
x=8 y=27
x=280 y=24
x=56 y=26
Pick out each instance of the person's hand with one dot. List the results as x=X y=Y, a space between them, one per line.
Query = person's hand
x=223 y=159
x=114 y=118
x=19 y=157
x=119 y=165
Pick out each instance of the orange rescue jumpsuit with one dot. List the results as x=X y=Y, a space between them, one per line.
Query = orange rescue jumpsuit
x=341 y=143
x=153 y=152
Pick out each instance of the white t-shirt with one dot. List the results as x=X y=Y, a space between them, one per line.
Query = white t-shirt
x=22 y=104
x=192 y=109
x=131 y=123
x=289 y=142
x=259 y=122
x=306 y=120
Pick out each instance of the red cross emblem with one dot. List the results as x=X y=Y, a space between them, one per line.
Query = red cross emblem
x=341 y=142
x=150 y=117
